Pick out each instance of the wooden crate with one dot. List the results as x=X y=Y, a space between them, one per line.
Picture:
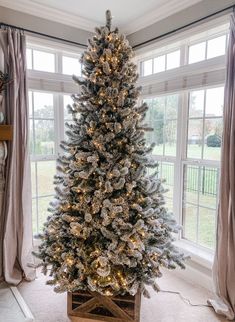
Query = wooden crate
x=93 y=306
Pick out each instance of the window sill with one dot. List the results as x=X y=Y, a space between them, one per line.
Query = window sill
x=197 y=255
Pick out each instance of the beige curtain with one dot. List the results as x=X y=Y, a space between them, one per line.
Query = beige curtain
x=17 y=223
x=224 y=262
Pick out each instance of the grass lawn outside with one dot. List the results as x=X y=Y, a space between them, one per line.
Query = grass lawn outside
x=198 y=218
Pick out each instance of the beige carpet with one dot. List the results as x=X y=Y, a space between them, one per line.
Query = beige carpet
x=48 y=306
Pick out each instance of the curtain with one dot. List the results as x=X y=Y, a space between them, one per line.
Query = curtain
x=224 y=262
x=17 y=228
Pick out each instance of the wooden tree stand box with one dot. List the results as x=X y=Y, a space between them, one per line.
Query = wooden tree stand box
x=93 y=306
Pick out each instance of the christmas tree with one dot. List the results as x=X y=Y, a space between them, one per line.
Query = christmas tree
x=108 y=230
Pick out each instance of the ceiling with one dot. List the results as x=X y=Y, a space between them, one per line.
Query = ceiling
x=128 y=15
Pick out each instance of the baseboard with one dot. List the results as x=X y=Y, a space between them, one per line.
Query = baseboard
x=196 y=274
x=24 y=307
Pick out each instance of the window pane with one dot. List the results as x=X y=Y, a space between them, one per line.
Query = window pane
x=208 y=187
x=216 y=47
x=191 y=174
x=214 y=101
x=213 y=138
x=206 y=229
x=43 y=204
x=167 y=173
x=29 y=58
x=147 y=67
x=30 y=100
x=44 y=137
x=190 y=222
x=43 y=61
x=71 y=66
x=43 y=105
x=197 y=52
x=172 y=106
x=31 y=137
x=159 y=64
x=195 y=130
x=33 y=178
x=34 y=216
x=46 y=171
x=67 y=101
x=173 y=60
x=170 y=134
x=196 y=105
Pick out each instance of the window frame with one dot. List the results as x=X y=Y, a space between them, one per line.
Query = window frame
x=216 y=65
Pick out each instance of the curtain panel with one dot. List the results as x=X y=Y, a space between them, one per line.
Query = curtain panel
x=224 y=262
x=16 y=228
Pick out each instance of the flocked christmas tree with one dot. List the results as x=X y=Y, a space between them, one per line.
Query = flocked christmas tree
x=108 y=230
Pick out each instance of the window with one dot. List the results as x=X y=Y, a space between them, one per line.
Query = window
x=51 y=60
x=207 y=49
x=161 y=63
x=71 y=65
x=186 y=113
x=197 y=51
x=40 y=60
x=48 y=115
x=162 y=117
x=43 y=153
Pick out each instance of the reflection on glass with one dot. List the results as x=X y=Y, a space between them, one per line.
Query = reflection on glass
x=206 y=229
x=190 y=222
x=173 y=60
x=71 y=66
x=44 y=137
x=197 y=52
x=46 y=171
x=196 y=104
x=43 y=105
x=147 y=67
x=159 y=64
x=213 y=138
x=43 y=61
x=214 y=101
x=195 y=130
x=216 y=46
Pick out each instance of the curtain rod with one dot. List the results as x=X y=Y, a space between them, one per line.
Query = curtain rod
x=183 y=27
x=42 y=34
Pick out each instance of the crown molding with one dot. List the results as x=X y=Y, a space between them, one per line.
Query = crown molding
x=165 y=9
x=49 y=13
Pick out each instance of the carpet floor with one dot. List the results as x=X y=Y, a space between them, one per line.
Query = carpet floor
x=48 y=306
x=10 y=310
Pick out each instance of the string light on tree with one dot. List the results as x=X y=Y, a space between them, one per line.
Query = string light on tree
x=109 y=230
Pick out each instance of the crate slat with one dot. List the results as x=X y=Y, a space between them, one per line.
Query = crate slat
x=94 y=306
